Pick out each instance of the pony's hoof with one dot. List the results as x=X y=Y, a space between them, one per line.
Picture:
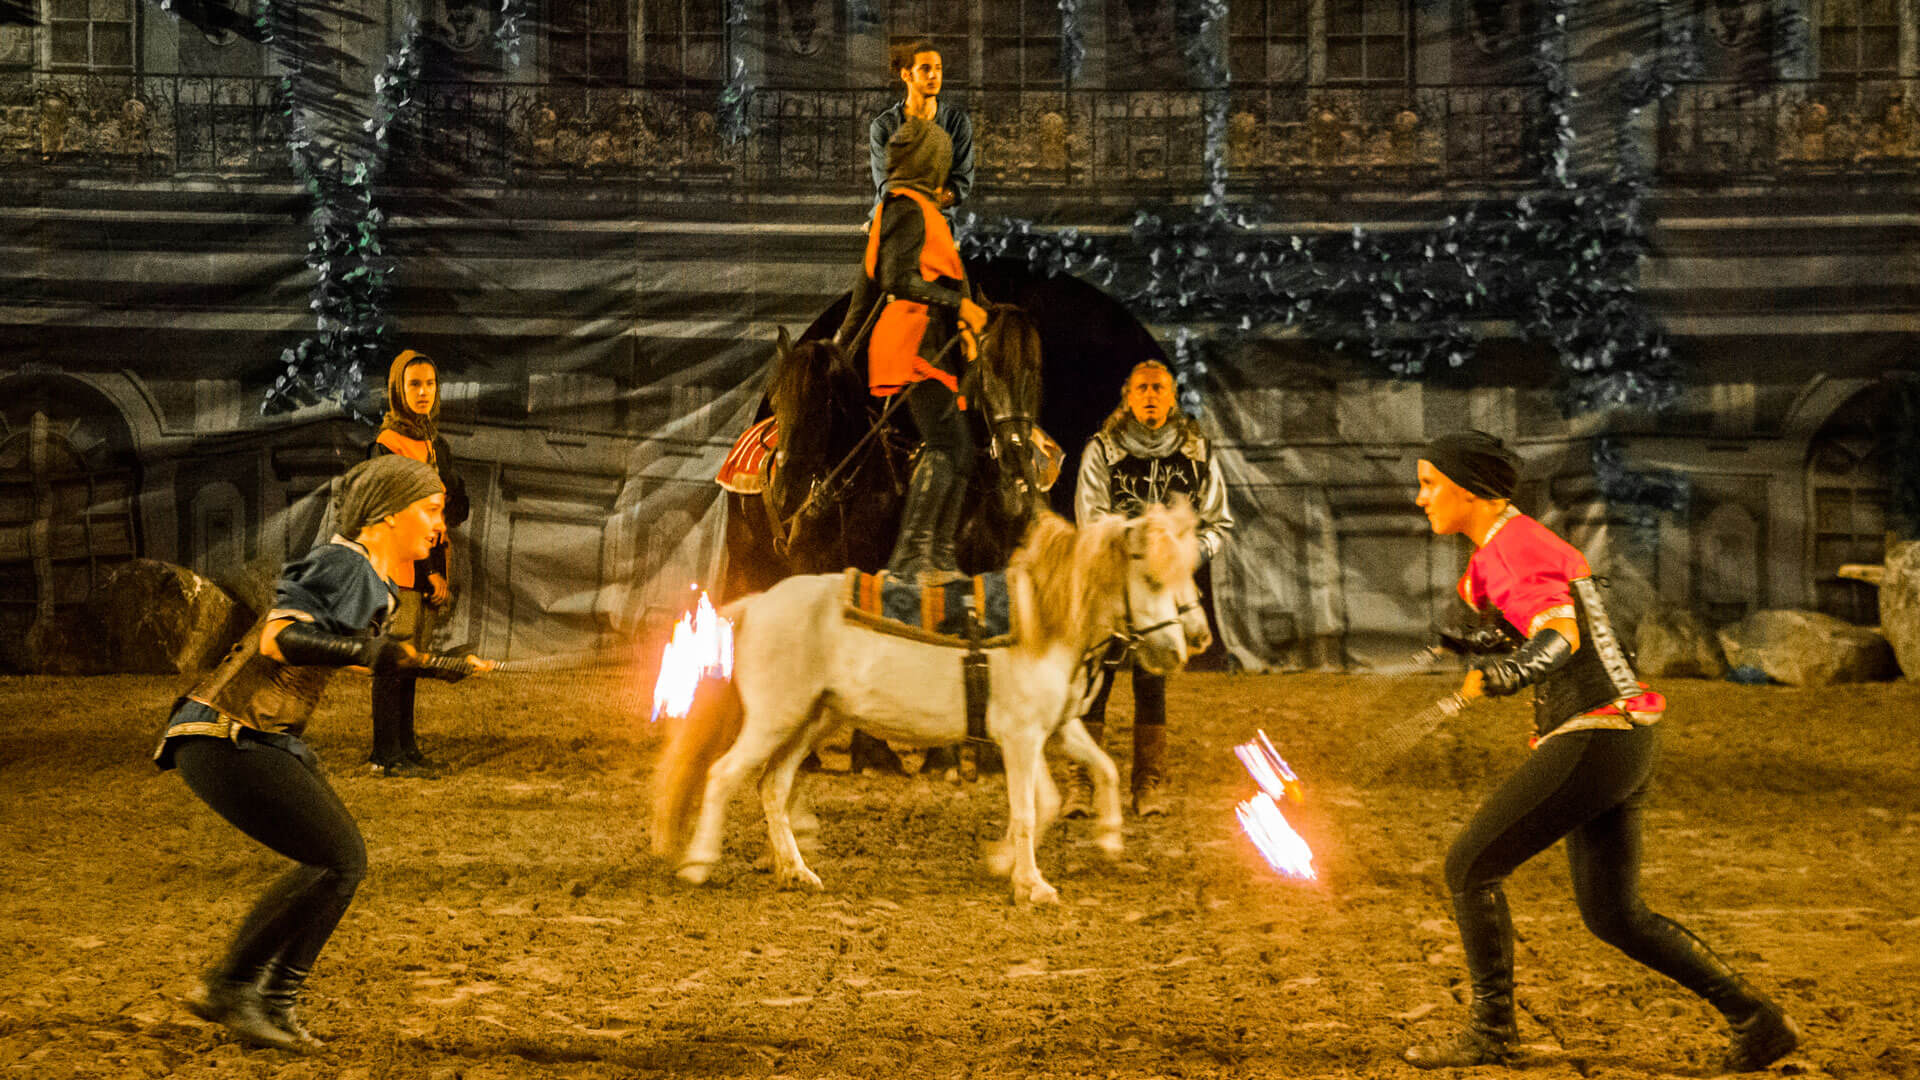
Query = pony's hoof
x=999 y=858
x=695 y=873
x=802 y=880
x=1043 y=893
x=1111 y=844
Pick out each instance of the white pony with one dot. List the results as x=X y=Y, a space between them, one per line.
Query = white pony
x=801 y=669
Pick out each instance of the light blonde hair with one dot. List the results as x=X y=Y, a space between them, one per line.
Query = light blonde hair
x=1077 y=574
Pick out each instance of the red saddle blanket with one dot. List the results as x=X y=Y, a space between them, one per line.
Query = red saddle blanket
x=748 y=463
x=937 y=614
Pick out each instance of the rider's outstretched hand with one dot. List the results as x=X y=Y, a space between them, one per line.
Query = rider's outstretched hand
x=972 y=315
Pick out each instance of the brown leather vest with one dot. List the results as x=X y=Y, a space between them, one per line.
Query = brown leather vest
x=259 y=692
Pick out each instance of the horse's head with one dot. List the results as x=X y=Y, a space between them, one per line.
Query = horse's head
x=1130 y=579
x=1163 y=551
x=1006 y=381
x=800 y=393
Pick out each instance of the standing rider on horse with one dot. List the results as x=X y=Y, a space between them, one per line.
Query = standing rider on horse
x=915 y=279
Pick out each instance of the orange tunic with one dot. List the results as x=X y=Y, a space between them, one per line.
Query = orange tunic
x=894 y=359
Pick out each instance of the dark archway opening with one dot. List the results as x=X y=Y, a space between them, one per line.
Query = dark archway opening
x=1089 y=342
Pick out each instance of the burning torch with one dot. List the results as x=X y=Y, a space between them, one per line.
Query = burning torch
x=701 y=649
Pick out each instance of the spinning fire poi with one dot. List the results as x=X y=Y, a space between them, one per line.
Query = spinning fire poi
x=1261 y=817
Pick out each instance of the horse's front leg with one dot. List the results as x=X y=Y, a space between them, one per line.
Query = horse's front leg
x=1022 y=750
x=1106 y=783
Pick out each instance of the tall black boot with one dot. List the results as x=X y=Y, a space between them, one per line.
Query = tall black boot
x=1762 y=1032
x=233 y=999
x=943 y=563
x=280 y=988
x=1486 y=934
x=926 y=494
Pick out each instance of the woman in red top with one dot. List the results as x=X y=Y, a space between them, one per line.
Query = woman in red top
x=1586 y=780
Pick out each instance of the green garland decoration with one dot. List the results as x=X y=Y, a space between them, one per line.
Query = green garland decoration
x=506 y=35
x=1073 y=45
x=1561 y=263
x=737 y=95
x=351 y=268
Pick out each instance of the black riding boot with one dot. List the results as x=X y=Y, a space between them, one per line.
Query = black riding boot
x=234 y=1000
x=1486 y=934
x=1762 y=1032
x=943 y=563
x=926 y=495
x=280 y=988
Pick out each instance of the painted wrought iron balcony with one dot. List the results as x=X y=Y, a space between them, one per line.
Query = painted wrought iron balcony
x=1807 y=129
x=1092 y=143
x=519 y=134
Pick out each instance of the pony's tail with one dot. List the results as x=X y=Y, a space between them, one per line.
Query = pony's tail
x=694 y=742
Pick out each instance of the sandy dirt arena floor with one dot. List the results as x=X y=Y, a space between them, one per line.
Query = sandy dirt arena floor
x=513 y=923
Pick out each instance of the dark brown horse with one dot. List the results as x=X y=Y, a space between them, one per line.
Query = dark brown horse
x=839 y=478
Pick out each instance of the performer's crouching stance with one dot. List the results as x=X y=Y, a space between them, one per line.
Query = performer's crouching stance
x=235 y=738
x=1586 y=780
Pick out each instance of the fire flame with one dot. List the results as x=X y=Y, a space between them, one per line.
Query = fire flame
x=702 y=648
x=1260 y=817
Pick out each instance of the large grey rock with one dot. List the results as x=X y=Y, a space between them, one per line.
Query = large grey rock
x=1808 y=648
x=1900 y=605
x=158 y=618
x=1674 y=642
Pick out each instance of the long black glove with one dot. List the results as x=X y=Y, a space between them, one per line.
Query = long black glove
x=307 y=646
x=1544 y=653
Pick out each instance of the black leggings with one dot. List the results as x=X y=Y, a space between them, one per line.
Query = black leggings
x=273 y=797
x=1589 y=787
x=937 y=416
x=1149 y=692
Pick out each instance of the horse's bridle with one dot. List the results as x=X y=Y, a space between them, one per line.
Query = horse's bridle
x=1129 y=636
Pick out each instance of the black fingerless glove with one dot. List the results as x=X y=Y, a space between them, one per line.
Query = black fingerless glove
x=444 y=668
x=306 y=645
x=1544 y=653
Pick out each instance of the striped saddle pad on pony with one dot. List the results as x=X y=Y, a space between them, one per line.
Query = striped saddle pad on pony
x=937 y=614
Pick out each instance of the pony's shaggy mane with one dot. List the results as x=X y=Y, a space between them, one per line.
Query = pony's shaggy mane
x=1077 y=572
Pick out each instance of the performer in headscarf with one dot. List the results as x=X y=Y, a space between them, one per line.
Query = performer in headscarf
x=1146 y=454
x=411 y=429
x=236 y=738
x=913 y=270
x=1588 y=776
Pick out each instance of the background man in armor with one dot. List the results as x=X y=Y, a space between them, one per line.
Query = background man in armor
x=1148 y=452
x=1586 y=780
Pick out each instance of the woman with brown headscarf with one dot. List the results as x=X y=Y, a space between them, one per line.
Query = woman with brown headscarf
x=411 y=428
